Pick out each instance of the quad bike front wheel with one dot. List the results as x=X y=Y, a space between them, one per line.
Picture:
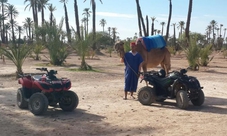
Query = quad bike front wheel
x=21 y=100
x=38 y=104
x=146 y=95
x=182 y=99
x=199 y=99
x=69 y=101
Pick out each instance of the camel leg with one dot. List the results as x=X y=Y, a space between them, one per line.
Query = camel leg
x=3 y=58
x=165 y=68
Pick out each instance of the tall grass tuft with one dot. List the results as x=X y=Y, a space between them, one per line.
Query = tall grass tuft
x=192 y=54
x=204 y=55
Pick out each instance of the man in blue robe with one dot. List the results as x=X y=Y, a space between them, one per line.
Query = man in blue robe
x=133 y=62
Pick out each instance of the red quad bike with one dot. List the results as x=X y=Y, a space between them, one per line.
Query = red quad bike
x=40 y=90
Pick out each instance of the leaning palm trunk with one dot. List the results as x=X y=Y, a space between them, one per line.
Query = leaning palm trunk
x=17 y=55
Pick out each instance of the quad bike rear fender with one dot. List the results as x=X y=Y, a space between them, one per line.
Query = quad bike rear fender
x=25 y=82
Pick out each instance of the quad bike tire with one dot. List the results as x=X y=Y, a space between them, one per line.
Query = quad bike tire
x=69 y=101
x=21 y=100
x=146 y=95
x=199 y=100
x=182 y=99
x=38 y=104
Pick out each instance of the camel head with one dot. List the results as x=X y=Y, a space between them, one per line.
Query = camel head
x=119 y=47
x=139 y=44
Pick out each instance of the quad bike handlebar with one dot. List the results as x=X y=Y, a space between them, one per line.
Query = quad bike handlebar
x=51 y=73
x=42 y=69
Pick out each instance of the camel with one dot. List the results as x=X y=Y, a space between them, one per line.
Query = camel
x=151 y=58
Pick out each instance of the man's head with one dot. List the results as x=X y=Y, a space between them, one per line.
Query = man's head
x=133 y=46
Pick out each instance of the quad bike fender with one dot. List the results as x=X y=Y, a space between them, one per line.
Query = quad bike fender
x=42 y=86
x=177 y=84
x=25 y=82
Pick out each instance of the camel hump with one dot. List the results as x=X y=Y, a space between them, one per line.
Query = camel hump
x=153 y=42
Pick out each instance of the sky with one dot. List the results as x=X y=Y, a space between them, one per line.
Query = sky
x=122 y=14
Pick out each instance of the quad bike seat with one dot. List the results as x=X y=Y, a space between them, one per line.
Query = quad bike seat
x=37 y=77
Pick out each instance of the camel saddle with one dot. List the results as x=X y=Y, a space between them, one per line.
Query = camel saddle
x=152 y=42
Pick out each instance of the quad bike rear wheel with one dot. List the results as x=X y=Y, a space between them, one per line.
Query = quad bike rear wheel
x=146 y=95
x=21 y=100
x=38 y=104
x=182 y=99
x=69 y=101
x=199 y=100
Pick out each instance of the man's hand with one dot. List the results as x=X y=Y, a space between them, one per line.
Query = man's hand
x=122 y=60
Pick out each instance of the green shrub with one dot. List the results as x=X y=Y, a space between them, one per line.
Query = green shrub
x=172 y=50
x=192 y=54
x=204 y=55
x=54 y=42
x=17 y=54
x=37 y=50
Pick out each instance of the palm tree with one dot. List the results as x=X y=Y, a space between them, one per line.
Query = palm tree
x=213 y=23
x=152 y=25
x=93 y=21
x=17 y=55
x=109 y=29
x=114 y=32
x=188 y=21
x=181 y=26
x=155 y=31
x=224 y=32
x=170 y=15
x=208 y=29
x=51 y=9
x=34 y=5
x=221 y=25
x=19 y=29
x=54 y=37
x=12 y=13
x=147 y=24
x=174 y=34
x=66 y=20
x=84 y=21
x=41 y=7
x=28 y=24
x=217 y=31
x=140 y=19
x=162 y=24
x=103 y=23
x=82 y=46
x=7 y=28
x=3 y=4
x=77 y=19
x=2 y=18
x=87 y=15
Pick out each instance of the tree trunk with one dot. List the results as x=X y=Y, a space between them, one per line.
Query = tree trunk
x=139 y=23
x=77 y=19
x=168 y=24
x=93 y=24
x=147 y=21
x=3 y=24
x=67 y=24
x=188 y=22
x=141 y=17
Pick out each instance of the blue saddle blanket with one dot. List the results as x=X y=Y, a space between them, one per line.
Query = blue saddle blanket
x=153 y=42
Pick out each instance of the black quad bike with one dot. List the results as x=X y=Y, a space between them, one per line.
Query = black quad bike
x=41 y=90
x=176 y=85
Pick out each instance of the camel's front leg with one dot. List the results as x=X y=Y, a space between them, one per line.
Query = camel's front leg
x=144 y=66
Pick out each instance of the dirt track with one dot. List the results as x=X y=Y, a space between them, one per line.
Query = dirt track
x=102 y=112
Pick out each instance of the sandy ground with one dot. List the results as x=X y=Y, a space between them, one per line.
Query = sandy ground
x=103 y=112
